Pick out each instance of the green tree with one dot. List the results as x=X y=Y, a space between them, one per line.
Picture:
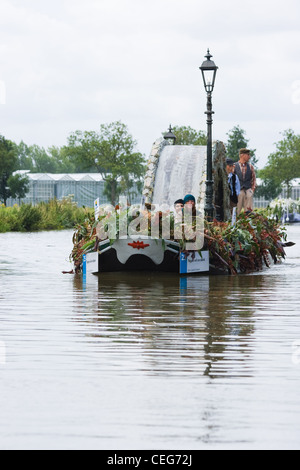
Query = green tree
x=186 y=135
x=284 y=164
x=111 y=152
x=237 y=140
x=42 y=161
x=37 y=159
x=60 y=156
x=25 y=161
x=8 y=163
x=269 y=189
x=18 y=185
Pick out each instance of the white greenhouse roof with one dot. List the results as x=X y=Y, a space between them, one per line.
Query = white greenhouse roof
x=96 y=177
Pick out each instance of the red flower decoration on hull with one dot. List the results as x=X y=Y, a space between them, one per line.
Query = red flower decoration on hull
x=138 y=245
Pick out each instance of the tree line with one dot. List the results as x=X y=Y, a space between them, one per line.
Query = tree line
x=283 y=165
x=112 y=152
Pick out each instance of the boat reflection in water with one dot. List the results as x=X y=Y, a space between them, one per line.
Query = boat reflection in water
x=174 y=325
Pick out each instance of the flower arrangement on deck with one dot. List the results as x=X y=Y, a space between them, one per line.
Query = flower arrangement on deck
x=280 y=207
x=253 y=242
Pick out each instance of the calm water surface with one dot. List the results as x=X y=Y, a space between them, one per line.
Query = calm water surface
x=145 y=361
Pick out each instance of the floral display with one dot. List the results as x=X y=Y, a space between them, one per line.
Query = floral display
x=281 y=207
x=253 y=242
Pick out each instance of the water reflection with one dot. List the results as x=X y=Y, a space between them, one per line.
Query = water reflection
x=137 y=361
x=170 y=325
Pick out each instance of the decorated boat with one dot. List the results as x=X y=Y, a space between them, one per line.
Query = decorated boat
x=150 y=237
x=254 y=242
x=172 y=172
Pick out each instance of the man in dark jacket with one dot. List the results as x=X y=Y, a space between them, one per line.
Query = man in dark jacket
x=233 y=182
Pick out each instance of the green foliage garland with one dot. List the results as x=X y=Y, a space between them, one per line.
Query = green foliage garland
x=246 y=247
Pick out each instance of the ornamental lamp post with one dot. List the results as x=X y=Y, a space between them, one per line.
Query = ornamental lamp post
x=209 y=72
x=170 y=137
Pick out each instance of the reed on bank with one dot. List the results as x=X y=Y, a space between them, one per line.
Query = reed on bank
x=52 y=215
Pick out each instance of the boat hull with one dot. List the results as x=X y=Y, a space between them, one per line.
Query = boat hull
x=109 y=262
x=145 y=254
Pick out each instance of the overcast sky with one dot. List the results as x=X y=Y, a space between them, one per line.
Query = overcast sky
x=68 y=64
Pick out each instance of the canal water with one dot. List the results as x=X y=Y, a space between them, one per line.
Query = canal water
x=145 y=361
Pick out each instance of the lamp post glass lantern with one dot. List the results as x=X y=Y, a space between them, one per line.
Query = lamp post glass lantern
x=209 y=72
x=170 y=137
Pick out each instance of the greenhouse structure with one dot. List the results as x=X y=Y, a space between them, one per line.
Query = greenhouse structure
x=83 y=188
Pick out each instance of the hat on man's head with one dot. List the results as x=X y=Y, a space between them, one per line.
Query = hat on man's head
x=229 y=161
x=189 y=197
x=245 y=152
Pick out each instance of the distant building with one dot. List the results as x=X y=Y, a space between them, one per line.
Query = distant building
x=84 y=188
x=261 y=203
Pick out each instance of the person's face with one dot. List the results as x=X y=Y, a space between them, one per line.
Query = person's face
x=245 y=157
x=230 y=169
x=190 y=204
x=178 y=208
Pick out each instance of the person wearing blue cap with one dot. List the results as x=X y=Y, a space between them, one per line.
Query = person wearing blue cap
x=189 y=200
x=190 y=216
x=190 y=203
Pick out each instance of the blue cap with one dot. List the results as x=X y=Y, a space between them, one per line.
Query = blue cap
x=189 y=197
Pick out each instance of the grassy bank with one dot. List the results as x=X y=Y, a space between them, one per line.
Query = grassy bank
x=53 y=215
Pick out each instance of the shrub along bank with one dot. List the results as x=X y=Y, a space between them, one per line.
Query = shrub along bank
x=52 y=215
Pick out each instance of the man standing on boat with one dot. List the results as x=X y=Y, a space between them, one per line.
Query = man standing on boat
x=246 y=174
x=234 y=183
